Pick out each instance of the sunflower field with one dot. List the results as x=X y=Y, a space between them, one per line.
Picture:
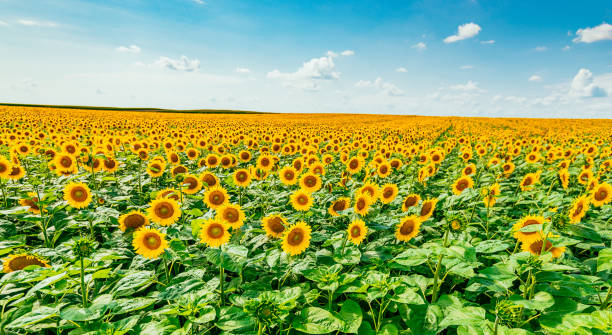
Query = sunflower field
x=118 y=222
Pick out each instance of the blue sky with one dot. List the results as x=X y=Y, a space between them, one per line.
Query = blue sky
x=470 y=58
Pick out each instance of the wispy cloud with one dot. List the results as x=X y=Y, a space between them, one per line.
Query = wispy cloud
x=129 y=49
x=487 y=42
x=384 y=87
x=464 y=31
x=467 y=67
x=419 y=46
x=3 y=24
x=242 y=70
x=535 y=78
x=181 y=64
x=347 y=53
x=540 y=48
x=35 y=23
x=401 y=69
x=599 y=33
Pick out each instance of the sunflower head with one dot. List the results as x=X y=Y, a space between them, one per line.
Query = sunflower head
x=601 y=194
x=231 y=215
x=310 y=182
x=410 y=201
x=528 y=235
x=209 y=179
x=296 y=238
x=164 y=211
x=356 y=231
x=83 y=247
x=456 y=222
x=427 y=209
x=288 y=175
x=362 y=204
x=191 y=184
x=242 y=177
x=464 y=182
x=536 y=246
x=20 y=261
x=133 y=220
x=388 y=192
x=301 y=200
x=274 y=225
x=339 y=206
x=408 y=228
x=214 y=233
x=78 y=195
x=216 y=197
x=149 y=242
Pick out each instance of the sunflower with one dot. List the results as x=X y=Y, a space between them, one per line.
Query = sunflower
x=362 y=204
x=462 y=183
x=209 y=179
x=18 y=262
x=384 y=169
x=529 y=180
x=533 y=157
x=490 y=194
x=32 y=202
x=354 y=165
x=110 y=165
x=179 y=169
x=370 y=190
x=356 y=231
x=216 y=197
x=5 y=167
x=408 y=228
x=265 y=162
x=133 y=220
x=65 y=162
x=214 y=233
x=339 y=206
x=168 y=193
x=164 y=211
x=296 y=238
x=564 y=178
x=310 y=182
x=468 y=170
x=579 y=209
x=274 y=225
x=288 y=175
x=585 y=176
x=156 y=168
x=427 y=209
x=301 y=200
x=191 y=184
x=78 y=195
x=508 y=168
x=149 y=242
x=232 y=215
x=410 y=201
x=388 y=193
x=601 y=194
x=212 y=160
x=529 y=236
x=535 y=247
x=242 y=177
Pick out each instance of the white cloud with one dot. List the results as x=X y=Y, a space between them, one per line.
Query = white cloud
x=420 y=46
x=347 y=53
x=316 y=68
x=129 y=49
x=467 y=67
x=566 y=48
x=599 y=33
x=242 y=70
x=540 y=48
x=2 y=23
x=199 y=2
x=535 y=77
x=487 y=42
x=34 y=23
x=582 y=86
x=384 y=87
x=464 y=31
x=469 y=86
x=401 y=69
x=181 y=64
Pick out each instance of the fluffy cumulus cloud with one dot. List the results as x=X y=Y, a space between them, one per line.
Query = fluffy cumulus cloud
x=464 y=31
x=536 y=78
x=242 y=70
x=589 y=35
x=583 y=86
x=419 y=46
x=128 y=49
x=347 y=53
x=181 y=64
x=469 y=86
x=384 y=87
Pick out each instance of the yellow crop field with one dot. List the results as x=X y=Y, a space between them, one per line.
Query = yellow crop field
x=134 y=222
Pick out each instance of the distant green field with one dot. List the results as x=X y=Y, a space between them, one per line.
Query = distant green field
x=141 y=109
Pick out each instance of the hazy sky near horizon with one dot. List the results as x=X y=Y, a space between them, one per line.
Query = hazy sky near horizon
x=467 y=58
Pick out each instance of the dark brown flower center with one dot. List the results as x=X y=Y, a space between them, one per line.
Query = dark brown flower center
x=231 y=215
x=426 y=208
x=296 y=236
x=355 y=231
x=276 y=225
x=215 y=230
x=79 y=194
x=21 y=262
x=601 y=194
x=410 y=201
x=134 y=221
x=217 y=197
x=407 y=227
x=209 y=180
x=191 y=183
x=302 y=199
x=164 y=210
x=152 y=241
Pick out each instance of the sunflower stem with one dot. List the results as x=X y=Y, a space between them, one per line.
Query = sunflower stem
x=221 y=271
x=604 y=305
x=43 y=223
x=434 y=295
x=4 y=195
x=166 y=268
x=83 y=287
x=140 y=177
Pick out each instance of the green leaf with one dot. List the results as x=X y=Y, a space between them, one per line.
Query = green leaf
x=35 y=316
x=315 y=320
x=388 y=329
x=235 y=320
x=604 y=260
x=46 y=282
x=232 y=258
x=207 y=314
x=351 y=314
x=491 y=246
x=133 y=282
x=126 y=305
x=541 y=301
x=412 y=257
x=463 y=316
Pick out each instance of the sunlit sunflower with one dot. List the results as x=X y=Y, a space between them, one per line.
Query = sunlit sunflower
x=508 y=168
x=362 y=204
x=339 y=206
x=78 y=195
x=149 y=242
x=527 y=236
x=242 y=177
x=231 y=215
x=354 y=165
x=216 y=197
x=310 y=182
x=579 y=209
x=356 y=231
x=427 y=209
x=5 y=167
x=214 y=233
x=370 y=190
x=410 y=201
x=191 y=184
x=110 y=165
x=288 y=175
x=209 y=180
x=408 y=228
x=490 y=194
x=212 y=160
x=530 y=180
x=179 y=169
x=65 y=162
x=296 y=238
x=564 y=177
x=535 y=247
x=301 y=200
x=388 y=192
x=132 y=220
x=169 y=193
x=468 y=170
x=156 y=168
x=384 y=169
x=20 y=261
x=601 y=194
x=464 y=182
x=32 y=202
x=164 y=211
x=584 y=176
x=265 y=162
x=274 y=225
